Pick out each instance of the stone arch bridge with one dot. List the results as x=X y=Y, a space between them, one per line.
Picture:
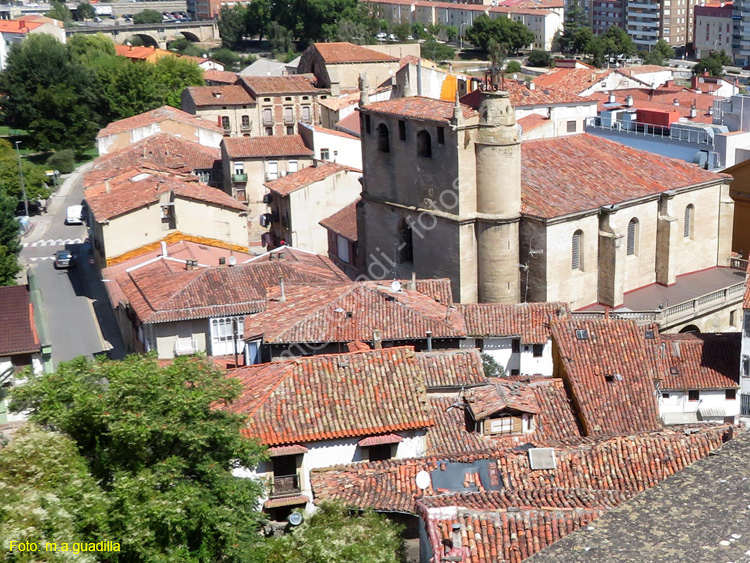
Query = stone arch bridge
x=154 y=34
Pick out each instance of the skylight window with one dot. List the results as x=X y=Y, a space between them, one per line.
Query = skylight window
x=582 y=334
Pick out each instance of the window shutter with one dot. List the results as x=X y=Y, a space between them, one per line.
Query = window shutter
x=631 y=237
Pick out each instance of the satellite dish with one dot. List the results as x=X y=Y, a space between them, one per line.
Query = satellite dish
x=295 y=518
x=232 y=260
x=423 y=479
x=395 y=286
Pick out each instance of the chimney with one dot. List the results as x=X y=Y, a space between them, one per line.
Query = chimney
x=429 y=340
x=676 y=102
x=456 y=535
x=629 y=101
x=190 y=264
x=164 y=249
x=377 y=339
x=693 y=111
x=282 y=299
x=532 y=86
x=593 y=77
x=413 y=284
x=21 y=24
x=612 y=98
x=106 y=186
x=364 y=97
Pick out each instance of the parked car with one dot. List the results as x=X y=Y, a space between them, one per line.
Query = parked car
x=64 y=259
x=74 y=215
x=391 y=37
x=35 y=208
x=382 y=36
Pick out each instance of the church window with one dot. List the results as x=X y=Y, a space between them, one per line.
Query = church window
x=424 y=144
x=632 y=237
x=688 y=227
x=577 y=259
x=383 y=138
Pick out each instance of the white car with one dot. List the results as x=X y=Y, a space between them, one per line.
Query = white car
x=391 y=37
x=382 y=36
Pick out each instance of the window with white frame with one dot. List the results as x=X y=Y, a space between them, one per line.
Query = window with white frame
x=632 y=237
x=342 y=249
x=239 y=167
x=223 y=336
x=293 y=166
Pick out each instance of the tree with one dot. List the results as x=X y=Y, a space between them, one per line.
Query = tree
x=436 y=51
x=539 y=58
x=162 y=450
x=85 y=11
x=34 y=177
x=228 y=58
x=59 y=11
x=9 y=243
x=661 y=52
x=582 y=39
x=616 y=43
x=173 y=75
x=258 y=18
x=87 y=48
x=147 y=16
x=351 y=32
x=232 y=26
x=335 y=535
x=575 y=21
x=49 y=94
x=451 y=32
x=510 y=34
x=48 y=495
x=279 y=38
x=402 y=31
x=63 y=161
x=513 y=67
x=713 y=64
x=491 y=367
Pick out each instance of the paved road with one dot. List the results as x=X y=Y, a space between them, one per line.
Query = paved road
x=79 y=318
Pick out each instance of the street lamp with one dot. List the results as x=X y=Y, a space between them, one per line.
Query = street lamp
x=461 y=35
x=23 y=186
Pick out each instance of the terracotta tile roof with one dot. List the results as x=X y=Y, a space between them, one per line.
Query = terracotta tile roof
x=380 y=440
x=307 y=176
x=452 y=368
x=286 y=501
x=417 y=107
x=163 y=291
x=17 y=330
x=333 y=396
x=222 y=76
x=514 y=10
x=557 y=420
x=145 y=187
x=529 y=321
x=336 y=104
x=523 y=96
x=606 y=403
x=451 y=434
x=164 y=151
x=294 y=449
x=663 y=99
x=158 y=115
x=21 y=25
x=294 y=84
x=579 y=173
x=326 y=131
x=701 y=361
x=500 y=395
x=351 y=123
x=343 y=222
x=309 y=314
x=534 y=4
x=141 y=53
x=220 y=95
x=266 y=147
x=643 y=69
x=439 y=289
x=629 y=463
x=574 y=80
x=532 y=121
x=342 y=52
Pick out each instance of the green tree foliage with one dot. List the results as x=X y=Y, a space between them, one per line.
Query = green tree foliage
x=279 y=38
x=85 y=11
x=539 y=58
x=616 y=43
x=48 y=495
x=513 y=67
x=258 y=18
x=491 y=367
x=49 y=94
x=713 y=64
x=510 y=34
x=147 y=16
x=451 y=32
x=185 y=47
x=232 y=23
x=661 y=52
x=436 y=51
x=87 y=48
x=582 y=39
x=160 y=449
x=59 y=11
x=352 y=32
x=63 y=161
x=9 y=243
x=575 y=20
x=335 y=535
x=33 y=175
x=228 y=58
x=402 y=31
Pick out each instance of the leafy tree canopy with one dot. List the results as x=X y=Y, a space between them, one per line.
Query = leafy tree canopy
x=9 y=243
x=59 y=11
x=491 y=367
x=510 y=34
x=85 y=11
x=713 y=64
x=161 y=450
x=232 y=23
x=147 y=16
x=661 y=52
x=435 y=51
x=539 y=58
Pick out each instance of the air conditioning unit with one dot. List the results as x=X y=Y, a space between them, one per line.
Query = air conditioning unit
x=268 y=199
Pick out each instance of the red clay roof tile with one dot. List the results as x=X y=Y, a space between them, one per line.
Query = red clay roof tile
x=158 y=115
x=343 y=222
x=220 y=95
x=700 y=361
x=17 y=330
x=307 y=176
x=343 y=52
x=417 y=107
x=529 y=321
x=270 y=85
x=265 y=147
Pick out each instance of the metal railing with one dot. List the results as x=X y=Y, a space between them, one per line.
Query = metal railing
x=651 y=130
x=285 y=485
x=239 y=177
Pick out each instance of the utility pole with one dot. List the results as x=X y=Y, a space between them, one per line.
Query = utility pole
x=23 y=186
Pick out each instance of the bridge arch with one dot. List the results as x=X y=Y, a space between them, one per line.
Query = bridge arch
x=190 y=36
x=148 y=41
x=690 y=328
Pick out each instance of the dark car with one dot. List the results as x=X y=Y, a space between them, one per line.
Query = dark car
x=35 y=208
x=64 y=259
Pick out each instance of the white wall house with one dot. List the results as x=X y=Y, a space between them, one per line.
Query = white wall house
x=331 y=145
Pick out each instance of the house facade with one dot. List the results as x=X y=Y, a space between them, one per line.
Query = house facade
x=343 y=249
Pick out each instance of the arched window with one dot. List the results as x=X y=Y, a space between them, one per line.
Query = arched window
x=424 y=144
x=633 y=237
x=577 y=256
x=384 y=144
x=689 y=219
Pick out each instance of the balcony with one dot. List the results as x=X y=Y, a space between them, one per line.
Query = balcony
x=285 y=485
x=239 y=178
x=691 y=296
x=288 y=120
x=268 y=121
x=246 y=127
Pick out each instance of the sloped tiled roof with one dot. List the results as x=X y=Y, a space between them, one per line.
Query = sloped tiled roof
x=343 y=222
x=142 y=188
x=306 y=176
x=163 y=150
x=522 y=95
x=158 y=292
x=577 y=173
x=532 y=121
x=351 y=123
x=417 y=107
x=333 y=396
x=574 y=80
x=220 y=76
x=293 y=84
x=263 y=147
x=340 y=102
x=349 y=312
x=498 y=395
x=158 y=115
x=529 y=321
x=663 y=99
x=627 y=463
x=701 y=361
x=220 y=95
x=452 y=368
x=606 y=403
x=17 y=329
x=342 y=52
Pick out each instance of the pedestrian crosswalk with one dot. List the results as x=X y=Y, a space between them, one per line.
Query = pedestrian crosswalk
x=52 y=242
x=35 y=258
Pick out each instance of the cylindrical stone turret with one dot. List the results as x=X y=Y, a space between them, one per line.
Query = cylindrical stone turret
x=498 y=158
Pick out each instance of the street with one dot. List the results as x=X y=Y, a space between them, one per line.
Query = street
x=79 y=318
